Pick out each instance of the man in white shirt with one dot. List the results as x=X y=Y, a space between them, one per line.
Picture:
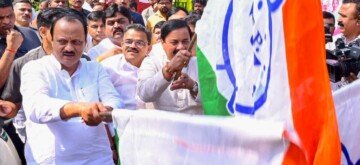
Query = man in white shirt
x=61 y=99
x=116 y=19
x=349 y=24
x=123 y=68
x=159 y=78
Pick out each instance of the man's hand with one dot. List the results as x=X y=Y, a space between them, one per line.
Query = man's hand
x=90 y=113
x=183 y=82
x=7 y=109
x=13 y=40
x=177 y=63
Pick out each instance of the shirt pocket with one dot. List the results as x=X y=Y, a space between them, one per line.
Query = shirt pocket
x=90 y=93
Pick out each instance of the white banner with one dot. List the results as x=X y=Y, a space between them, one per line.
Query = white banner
x=347 y=106
x=158 y=137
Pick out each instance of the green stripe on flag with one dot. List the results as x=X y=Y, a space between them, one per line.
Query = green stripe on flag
x=213 y=102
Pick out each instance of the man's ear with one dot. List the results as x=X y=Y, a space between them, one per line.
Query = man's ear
x=42 y=32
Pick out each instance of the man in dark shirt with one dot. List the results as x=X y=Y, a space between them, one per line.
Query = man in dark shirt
x=77 y=5
x=136 y=17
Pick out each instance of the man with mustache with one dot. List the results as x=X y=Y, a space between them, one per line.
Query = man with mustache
x=14 y=43
x=168 y=76
x=123 y=68
x=161 y=15
x=349 y=25
x=116 y=19
x=12 y=88
x=23 y=12
x=62 y=96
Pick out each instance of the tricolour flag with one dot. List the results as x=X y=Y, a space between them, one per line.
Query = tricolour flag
x=266 y=59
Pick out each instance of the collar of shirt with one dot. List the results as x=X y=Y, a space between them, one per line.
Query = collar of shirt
x=159 y=14
x=126 y=66
x=57 y=65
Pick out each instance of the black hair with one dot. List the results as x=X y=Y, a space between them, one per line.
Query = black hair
x=357 y=2
x=141 y=28
x=114 y=8
x=71 y=15
x=158 y=25
x=46 y=17
x=202 y=2
x=96 y=15
x=21 y=1
x=133 y=4
x=172 y=25
x=192 y=18
x=176 y=9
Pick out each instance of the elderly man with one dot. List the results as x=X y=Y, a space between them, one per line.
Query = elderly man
x=123 y=68
x=116 y=19
x=159 y=80
x=61 y=99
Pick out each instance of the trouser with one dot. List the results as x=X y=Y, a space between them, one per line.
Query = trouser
x=8 y=152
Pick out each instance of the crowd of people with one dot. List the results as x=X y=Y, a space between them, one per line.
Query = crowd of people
x=64 y=66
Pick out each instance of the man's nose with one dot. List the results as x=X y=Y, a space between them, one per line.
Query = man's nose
x=181 y=46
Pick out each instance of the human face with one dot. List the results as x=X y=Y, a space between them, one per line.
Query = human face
x=175 y=41
x=76 y=4
x=98 y=7
x=96 y=30
x=164 y=6
x=7 y=20
x=68 y=43
x=135 y=47
x=125 y=3
x=198 y=8
x=43 y=5
x=329 y=22
x=348 y=21
x=23 y=13
x=178 y=15
x=156 y=36
x=115 y=26
x=58 y=3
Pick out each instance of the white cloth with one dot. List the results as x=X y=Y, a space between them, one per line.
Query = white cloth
x=46 y=88
x=87 y=6
x=8 y=154
x=105 y=45
x=153 y=87
x=89 y=44
x=124 y=77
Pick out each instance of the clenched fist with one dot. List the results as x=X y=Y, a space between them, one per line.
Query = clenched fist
x=13 y=40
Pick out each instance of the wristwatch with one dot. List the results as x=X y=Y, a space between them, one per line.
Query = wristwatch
x=195 y=87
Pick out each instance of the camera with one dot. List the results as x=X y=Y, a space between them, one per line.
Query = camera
x=343 y=60
x=328 y=36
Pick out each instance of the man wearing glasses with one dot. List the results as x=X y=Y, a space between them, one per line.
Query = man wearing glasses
x=168 y=76
x=123 y=68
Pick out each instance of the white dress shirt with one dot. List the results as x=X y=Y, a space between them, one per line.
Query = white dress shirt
x=124 y=77
x=153 y=87
x=46 y=88
x=102 y=47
